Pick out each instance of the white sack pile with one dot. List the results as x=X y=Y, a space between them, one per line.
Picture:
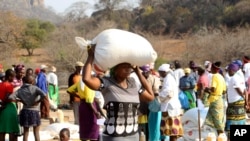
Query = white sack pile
x=114 y=46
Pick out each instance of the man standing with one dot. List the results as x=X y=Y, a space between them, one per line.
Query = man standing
x=74 y=100
x=42 y=84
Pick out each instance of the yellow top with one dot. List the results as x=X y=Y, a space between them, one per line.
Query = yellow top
x=86 y=93
x=219 y=84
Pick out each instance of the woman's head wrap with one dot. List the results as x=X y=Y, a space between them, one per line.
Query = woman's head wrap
x=145 y=68
x=187 y=70
x=216 y=66
x=246 y=59
x=233 y=67
x=19 y=67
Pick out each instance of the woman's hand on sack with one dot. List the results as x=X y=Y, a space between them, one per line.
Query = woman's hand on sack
x=91 y=50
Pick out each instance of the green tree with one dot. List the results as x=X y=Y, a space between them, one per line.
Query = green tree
x=35 y=34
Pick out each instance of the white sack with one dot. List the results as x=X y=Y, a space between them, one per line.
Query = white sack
x=192 y=116
x=114 y=46
x=55 y=128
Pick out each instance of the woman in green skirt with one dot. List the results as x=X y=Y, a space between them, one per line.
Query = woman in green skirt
x=8 y=116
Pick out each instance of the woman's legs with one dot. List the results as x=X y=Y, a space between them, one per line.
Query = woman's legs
x=36 y=133
x=12 y=137
x=26 y=133
x=173 y=138
x=2 y=136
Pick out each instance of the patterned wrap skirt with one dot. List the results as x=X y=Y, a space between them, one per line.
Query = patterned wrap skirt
x=191 y=99
x=29 y=118
x=9 y=119
x=171 y=126
x=215 y=116
x=236 y=114
x=89 y=130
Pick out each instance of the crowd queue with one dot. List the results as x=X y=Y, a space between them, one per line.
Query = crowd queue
x=137 y=100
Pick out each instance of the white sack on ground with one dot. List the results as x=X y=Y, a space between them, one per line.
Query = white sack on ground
x=114 y=46
x=44 y=136
x=55 y=128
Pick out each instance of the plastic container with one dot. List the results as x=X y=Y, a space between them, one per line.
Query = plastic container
x=211 y=136
x=222 y=137
x=142 y=136
x=60 y=116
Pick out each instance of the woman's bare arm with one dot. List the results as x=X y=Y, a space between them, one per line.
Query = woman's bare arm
x=92 y=82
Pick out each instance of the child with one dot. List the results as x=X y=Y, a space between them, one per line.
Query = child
x=30 y=95
x=64 y=134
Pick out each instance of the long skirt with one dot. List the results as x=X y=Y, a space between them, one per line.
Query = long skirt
x=89 y=130
x=215 y=115
x=9 y=119
x=54 y=94
x=236 y=114
x=154 y=122
x=191 y=99
x=171 y=126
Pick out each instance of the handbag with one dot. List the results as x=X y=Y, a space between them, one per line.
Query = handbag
x=154 y=105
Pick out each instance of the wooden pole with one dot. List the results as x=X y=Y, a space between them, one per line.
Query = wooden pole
x=199 y=128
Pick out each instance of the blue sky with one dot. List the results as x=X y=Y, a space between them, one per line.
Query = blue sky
x=60 y=5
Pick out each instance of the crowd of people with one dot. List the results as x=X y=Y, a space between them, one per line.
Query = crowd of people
x=25 y=96
x=136 y=99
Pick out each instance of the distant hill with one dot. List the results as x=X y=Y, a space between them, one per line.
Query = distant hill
x=30 y=9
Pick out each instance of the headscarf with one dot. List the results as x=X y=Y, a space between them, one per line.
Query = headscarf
x=245 y=59
x=19 y=67
x=216 y=66
x=238 y=62
x=192 y=65
x=145 y=68
x=187 y=70
x=164 y=67
x=233 y=67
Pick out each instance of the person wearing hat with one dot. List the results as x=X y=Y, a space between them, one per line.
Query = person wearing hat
x=240 y=71
x=43 y=85
x=53 y=86
x=170 y=104
x=74 y=101
x=215 y=115
x=187 y=85
x=237 y=98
